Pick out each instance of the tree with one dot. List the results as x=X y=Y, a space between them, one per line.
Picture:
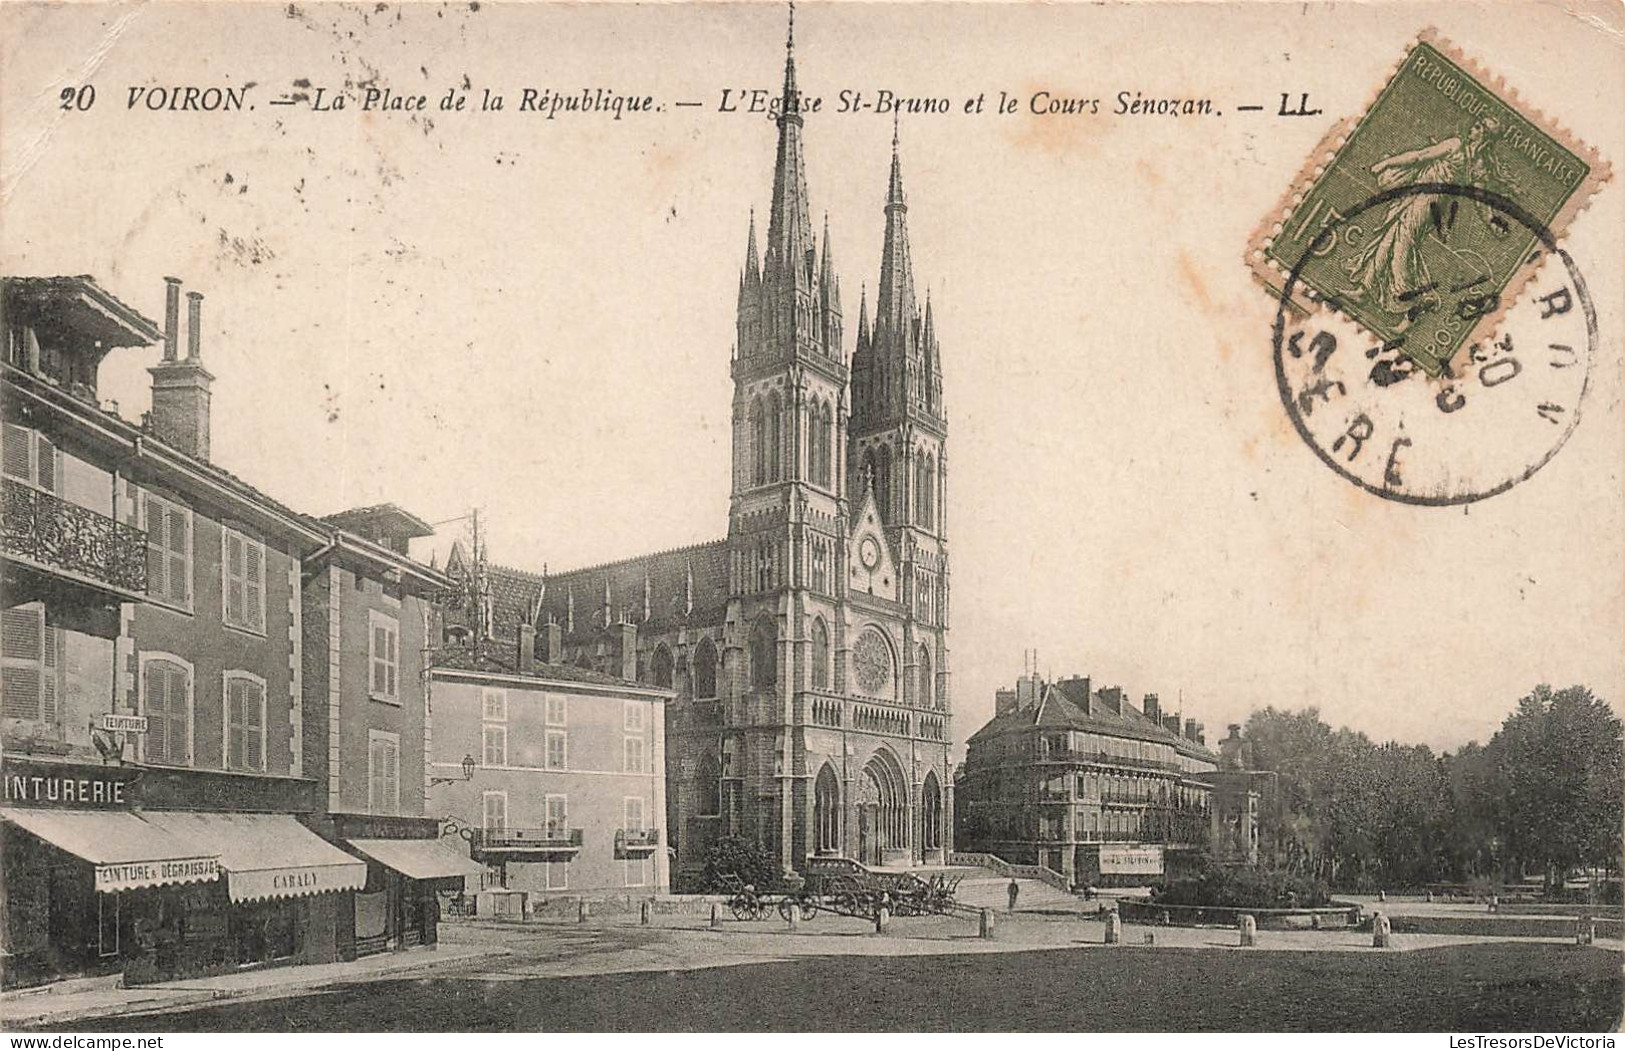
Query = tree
x=738 y=856
x=1559 y=762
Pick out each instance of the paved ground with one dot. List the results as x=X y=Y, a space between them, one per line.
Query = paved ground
x=926 y=973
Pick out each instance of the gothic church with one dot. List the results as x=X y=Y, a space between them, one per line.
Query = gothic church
x=809 y=646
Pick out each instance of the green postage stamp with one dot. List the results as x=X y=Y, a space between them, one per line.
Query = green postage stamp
x=1422 y=222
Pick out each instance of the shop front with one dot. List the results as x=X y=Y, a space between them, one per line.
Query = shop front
x=88 y=891
x=280 y=900
x=405 y=878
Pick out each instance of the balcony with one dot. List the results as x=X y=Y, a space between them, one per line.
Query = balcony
x=510 y=842
x=1105 y=759
x=636 y=842
x=68 y=542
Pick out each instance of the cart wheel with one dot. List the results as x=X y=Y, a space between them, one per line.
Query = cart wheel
x=786 y=908
x=808 y=908
x=741 y=909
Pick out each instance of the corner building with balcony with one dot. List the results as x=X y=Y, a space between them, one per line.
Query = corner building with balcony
x=808 y=648
x=1080 y=781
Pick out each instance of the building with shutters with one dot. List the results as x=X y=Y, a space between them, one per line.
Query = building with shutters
x=167 y=806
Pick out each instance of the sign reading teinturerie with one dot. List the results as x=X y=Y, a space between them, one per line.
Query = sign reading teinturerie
x=1434 y=340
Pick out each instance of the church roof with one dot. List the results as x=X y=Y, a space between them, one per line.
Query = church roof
x=686 y=586
x=493 y=658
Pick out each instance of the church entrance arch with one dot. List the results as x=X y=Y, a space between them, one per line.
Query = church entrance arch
x=882 y=809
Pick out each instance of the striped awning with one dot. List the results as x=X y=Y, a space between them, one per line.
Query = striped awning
x=127 y=851
x=266 y=855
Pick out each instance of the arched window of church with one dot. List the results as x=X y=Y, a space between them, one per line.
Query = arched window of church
x=660 y=666
x=829 y=444
x=758 y=443
x=775 y=439
x=926 y=486
x=705 y=669
x=818 y=444
x=709 y=788
x=820 y=655
x=764 y=665
x=927 y=681
x=883 y=481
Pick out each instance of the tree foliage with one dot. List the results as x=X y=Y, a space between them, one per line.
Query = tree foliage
x=742 y=858
x=1546 y=792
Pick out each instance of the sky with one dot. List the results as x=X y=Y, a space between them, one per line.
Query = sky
x=534 y=317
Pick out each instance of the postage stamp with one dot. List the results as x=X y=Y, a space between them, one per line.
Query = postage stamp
x=1428 y=266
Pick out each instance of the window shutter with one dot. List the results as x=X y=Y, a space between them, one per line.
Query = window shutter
x=22 y=644
x=180 y=547
x=47 y=464
x=232 y=555
x=392 y=776
x=254 y=585
x=157 y=737
x=15 y=452
x=157 y=541
x=393 y=663
x=236 y=713
x=379 y=649
x=53 y=670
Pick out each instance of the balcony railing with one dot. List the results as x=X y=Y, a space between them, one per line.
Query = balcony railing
x=630 y=842
x=1104 y=759
x=62 y=537
x=520 y=840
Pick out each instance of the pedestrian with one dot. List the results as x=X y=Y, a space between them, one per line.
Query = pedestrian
x=1014 y=891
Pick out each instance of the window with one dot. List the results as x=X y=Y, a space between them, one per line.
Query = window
x=495 y=817
x=385 y=658
x=634 y=717
x=634 y=755
x=763 y=658
x=169 y=551
x=758 y=444
x=820 y=655
x=705 y=669
x=558 y=816
x=775 y=440
x=710 y=788
x=31 y=457
x=925 y=477
x=558 y=875
x=660 y=667
x=633 y=810
x=384 y=773
x=30 y=664
x=555 y=710
x=494 y=705
x=166 y=701
x=495 y=749
x=927 y=681
x=557 y=752
x=243 y=580
x=244 y=724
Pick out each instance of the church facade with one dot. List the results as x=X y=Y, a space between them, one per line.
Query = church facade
x=809 y=646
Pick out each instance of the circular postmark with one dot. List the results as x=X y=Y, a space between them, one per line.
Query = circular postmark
x=1500 y=409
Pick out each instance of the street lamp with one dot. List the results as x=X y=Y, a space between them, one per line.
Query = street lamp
x=468 y=774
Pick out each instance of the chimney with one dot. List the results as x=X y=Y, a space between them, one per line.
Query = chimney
x=628 y=651
x=552 y=642
x=1152 y=708
x=1171 y=724
x=527 y=649
x=1026 y=691
x=1111 y=697
x=1201 y=735
x=1190 y=730
x=180 y=389
x=1230 y=750
x=1004 y=702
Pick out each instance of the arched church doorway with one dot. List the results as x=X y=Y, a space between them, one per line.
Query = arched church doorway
x=882 y=809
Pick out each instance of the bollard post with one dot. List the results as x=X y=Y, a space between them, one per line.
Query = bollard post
x=1495 y=903
x=882 y=919
x=1585 y=930
x=1114 y=928
x=1382 y=895
x=792 y=918
x=1428 y=897
x=1314 y=921
x=985 y=928
x=582 y=911
x=1249 y=930
x=646 y=910
x=716 y=914
x=1381 y=931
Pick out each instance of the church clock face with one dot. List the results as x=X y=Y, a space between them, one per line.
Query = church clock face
x=869 y=553
x=872 y=662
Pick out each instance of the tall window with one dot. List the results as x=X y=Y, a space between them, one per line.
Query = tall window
x=557 y=750
x=820 y=655
x=169 y=551
x=495 y=817
x=632 y=717
x=758 y=444
x=558 y=815
x=166 y=701
x=660 y=666
x=243 y=579
x=244 y=723
x=820 y=432
x=30 y=664
x=494 y=745
x=883 y=482
x=820 y=567
x=384 y=773
x=31 y=457
x=925 y=478
x=555 y=710
x=775 y=439
x=636 y=868
x=764 y=672
x=633 y=754
x=709 y=802
x=494 y=705
x=705 y=669
x=385 y=657
x=927 y=682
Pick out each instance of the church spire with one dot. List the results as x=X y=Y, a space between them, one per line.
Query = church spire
x=894 y=308
x=790 y=250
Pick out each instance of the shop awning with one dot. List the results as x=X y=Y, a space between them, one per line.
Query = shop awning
x=266 y=855
x=418 y=858
x=128 y=853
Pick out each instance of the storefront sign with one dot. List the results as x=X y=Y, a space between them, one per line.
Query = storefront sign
x=133 y=874
x=23 y=783
x=1131 y=861
x=293 y=882
x=122 y=724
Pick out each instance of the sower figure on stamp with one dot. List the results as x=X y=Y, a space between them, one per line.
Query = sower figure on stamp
x=1014 y=891
x=1391 y=269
